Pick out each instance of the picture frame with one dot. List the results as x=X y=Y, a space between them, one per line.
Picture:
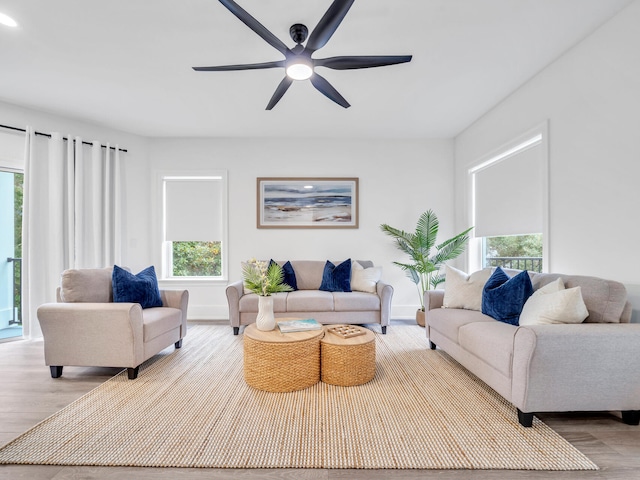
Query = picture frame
x=307 y=202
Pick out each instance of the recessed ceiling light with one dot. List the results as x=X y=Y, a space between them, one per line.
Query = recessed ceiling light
x=7 y=20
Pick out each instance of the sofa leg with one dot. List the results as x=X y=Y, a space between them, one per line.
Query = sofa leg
x=236 y=330
x=432 y=345
x=525 y=419
x=178 y=344
x=133 y=372
x=384 y=330
x=56 y=371
x=630 y=417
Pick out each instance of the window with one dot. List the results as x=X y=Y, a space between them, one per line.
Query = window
x=194 y=223
x=11 y=188
x=509 y=205
x=522 y=252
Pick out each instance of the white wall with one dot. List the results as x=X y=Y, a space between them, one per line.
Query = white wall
x=398 y=180
x=591 y=97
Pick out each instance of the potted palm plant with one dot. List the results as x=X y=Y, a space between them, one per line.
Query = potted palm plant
x=424 y=268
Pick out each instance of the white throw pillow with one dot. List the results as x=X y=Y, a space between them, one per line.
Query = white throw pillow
x=364 y=279
x=462 y=290
x=553 y=304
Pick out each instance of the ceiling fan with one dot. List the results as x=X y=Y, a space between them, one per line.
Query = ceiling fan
x=298 y=63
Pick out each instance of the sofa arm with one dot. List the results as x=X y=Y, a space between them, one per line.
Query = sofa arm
x=234 y=292
x=433 y=299
x=385 y=292
x=92 y=334
x=583 y=367
x=177 y=299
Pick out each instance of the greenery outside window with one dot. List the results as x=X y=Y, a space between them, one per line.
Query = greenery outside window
x=522 y=252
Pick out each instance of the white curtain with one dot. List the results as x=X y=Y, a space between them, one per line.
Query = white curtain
x=71 y=217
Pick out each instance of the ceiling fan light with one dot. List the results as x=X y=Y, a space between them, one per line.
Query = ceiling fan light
x=299 y=71
x=7 y=20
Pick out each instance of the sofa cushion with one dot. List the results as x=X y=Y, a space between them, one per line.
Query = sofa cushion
x=336 y=278
x=504 y=297
x=289 y=274
x=492 y=342
x=448 y=321
x=89 y=285
x=310 y=301
x=462 y=290
x=156 y=321
x=605 y=299
x=554 y=304
x=364 y=279
x=249 y=302
x=140 y=288
x=308 y=273
x=355 y=301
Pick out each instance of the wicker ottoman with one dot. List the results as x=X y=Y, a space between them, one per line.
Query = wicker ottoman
x=276 y=362
x=348 y=361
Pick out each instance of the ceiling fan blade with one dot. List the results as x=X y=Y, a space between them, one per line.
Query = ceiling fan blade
x=363 y=61
x=327 y=90
x=247 y=66
x=280 y=91
x=328 y=24
x=256 y=26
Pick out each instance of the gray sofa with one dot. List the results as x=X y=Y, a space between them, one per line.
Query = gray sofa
x=355 y=307
x=588 y=366
x=86 y=328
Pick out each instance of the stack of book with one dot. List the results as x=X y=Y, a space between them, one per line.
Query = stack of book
x=288 y=326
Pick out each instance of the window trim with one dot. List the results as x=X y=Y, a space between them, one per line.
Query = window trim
x=536 y=135
x=165 y=250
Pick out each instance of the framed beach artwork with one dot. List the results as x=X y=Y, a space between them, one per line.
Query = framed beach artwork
x=307 y=202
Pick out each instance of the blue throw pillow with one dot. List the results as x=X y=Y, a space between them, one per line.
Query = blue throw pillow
x=504 y=297
x=289 y=274
x=141 y=288
x=336 y=278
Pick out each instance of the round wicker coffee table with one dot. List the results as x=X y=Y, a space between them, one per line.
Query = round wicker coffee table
x=281 y=362
x=348 y=361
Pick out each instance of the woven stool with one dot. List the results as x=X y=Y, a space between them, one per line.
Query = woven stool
x=348 y=361
x=276 y=362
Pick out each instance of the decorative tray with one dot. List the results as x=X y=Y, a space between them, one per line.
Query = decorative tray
x=347 y=331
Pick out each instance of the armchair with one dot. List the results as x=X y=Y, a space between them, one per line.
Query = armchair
x=86 y=328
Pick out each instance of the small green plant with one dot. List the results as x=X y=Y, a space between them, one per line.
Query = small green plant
x=264 y=278
x=424 y=269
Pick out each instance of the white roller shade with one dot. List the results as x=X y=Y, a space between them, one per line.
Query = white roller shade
x=193 y=209
x=509 y=195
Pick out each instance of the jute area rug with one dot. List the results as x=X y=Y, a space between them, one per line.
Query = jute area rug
x=192 y=408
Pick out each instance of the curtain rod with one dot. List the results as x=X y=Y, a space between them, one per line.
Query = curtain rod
x=49 y=136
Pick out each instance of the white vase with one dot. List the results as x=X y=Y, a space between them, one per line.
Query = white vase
x=265 y=320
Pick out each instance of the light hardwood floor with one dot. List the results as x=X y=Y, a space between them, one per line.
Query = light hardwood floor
x=28 y=395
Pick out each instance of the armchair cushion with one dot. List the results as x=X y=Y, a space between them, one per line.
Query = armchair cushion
x=88 y=285
x=141 y=288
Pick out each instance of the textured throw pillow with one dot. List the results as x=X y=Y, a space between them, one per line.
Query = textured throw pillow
x=141 y=288
x=553 y=304
x=336 y=278
x=289 y=274
x=503 y=298
x=462 y=290
x=364 y=279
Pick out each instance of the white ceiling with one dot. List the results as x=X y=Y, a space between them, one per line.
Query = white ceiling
x=126 y=64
